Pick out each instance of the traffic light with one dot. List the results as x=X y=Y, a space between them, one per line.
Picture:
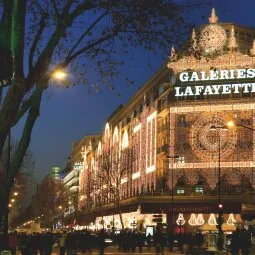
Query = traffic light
x=157 y=218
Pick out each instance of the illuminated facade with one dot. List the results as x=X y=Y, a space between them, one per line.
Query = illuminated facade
x=160 y=151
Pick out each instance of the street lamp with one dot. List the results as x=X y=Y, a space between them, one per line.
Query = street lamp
x=59 y=75
x=231 y=124
x=172 y=197
x=220 y=206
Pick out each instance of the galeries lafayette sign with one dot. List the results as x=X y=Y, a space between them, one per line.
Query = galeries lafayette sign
x=217 y=77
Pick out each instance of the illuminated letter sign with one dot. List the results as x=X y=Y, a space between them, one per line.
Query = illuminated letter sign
x=216 y=76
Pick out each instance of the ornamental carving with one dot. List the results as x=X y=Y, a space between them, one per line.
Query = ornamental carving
x=231 y=60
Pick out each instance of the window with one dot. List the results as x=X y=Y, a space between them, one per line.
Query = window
x=199 y=189
x=180 y=191
x=161 y=89
x=151 y=143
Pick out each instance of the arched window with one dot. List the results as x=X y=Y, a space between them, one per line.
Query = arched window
x=115 y=135
x=107 y=131
x=99 y=148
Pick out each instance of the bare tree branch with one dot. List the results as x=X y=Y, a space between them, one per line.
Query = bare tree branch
x=36 y=40
x=87 y=32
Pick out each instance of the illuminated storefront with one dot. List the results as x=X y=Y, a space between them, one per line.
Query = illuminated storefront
x=169 y=148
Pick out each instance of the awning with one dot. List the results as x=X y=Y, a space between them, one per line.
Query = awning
x=190 y=208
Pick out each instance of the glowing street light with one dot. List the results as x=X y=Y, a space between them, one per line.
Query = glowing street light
x=60 y=207
x=10 y=205
x=232 y=124
x=59 y=75
x=15 y=194
x=13 y=200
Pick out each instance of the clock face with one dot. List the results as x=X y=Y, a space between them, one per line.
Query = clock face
x=209 y=144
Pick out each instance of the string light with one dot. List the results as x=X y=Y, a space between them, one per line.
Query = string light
x=193 y=221
x=231 y=220
x=212 y=220
x=200 y=219
x=180 y=220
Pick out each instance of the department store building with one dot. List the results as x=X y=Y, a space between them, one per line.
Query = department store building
x=184 y=143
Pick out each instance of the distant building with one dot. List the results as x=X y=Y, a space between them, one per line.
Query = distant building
x=55 y=173
x=74 y=167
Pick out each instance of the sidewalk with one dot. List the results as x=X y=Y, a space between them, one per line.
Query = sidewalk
x=114 y=250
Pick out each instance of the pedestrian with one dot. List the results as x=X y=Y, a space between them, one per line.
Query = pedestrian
x=101 y=242
x=159 y=241
x=62 y=243
x=13 y=242
x=245 y=241
x=140 y=241
x=47 y=244
x=148 y=241
x=235 y=243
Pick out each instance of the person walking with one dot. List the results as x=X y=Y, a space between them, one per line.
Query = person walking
x=235 y=243
x=159 y=241
x=47 y=244
x=62 y=243
x=13 y=242
x=101 y=242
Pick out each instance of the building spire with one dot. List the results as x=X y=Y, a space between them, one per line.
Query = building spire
x=193 y=45
x=232 y=43
x=213 y=19
x=252 y=51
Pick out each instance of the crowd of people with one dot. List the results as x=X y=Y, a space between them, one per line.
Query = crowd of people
x=127 y=241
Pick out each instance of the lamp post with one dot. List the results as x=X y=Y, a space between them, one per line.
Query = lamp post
x=220 y=221
x=172 y=195
x=231 y=124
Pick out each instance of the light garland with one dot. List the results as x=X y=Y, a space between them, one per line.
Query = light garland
x=231 y=220
x=200 y=219
x=125 y=142
x=180 y=221
x=212 y=220
x=193 y=221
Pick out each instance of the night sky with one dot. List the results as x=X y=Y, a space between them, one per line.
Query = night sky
x=67 y=115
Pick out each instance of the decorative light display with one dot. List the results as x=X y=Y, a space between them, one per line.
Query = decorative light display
x=180 y=220
x=213 y=37
x=212 y=220
x=193 y=220
x=212 y=40
x=124 y=144
x=213 y=19
x=205 y=142
x=200 y=219
x=107 y=130
x=236 y=166
x=231 y=220
x=232 y=43
x=116 y=135
x=252 y=51
x=151 y=143
x=194 y=45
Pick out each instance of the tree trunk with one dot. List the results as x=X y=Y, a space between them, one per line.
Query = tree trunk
x=121 y=219
x=4 y=198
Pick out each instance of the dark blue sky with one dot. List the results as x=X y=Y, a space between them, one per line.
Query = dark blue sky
x=69 y=114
